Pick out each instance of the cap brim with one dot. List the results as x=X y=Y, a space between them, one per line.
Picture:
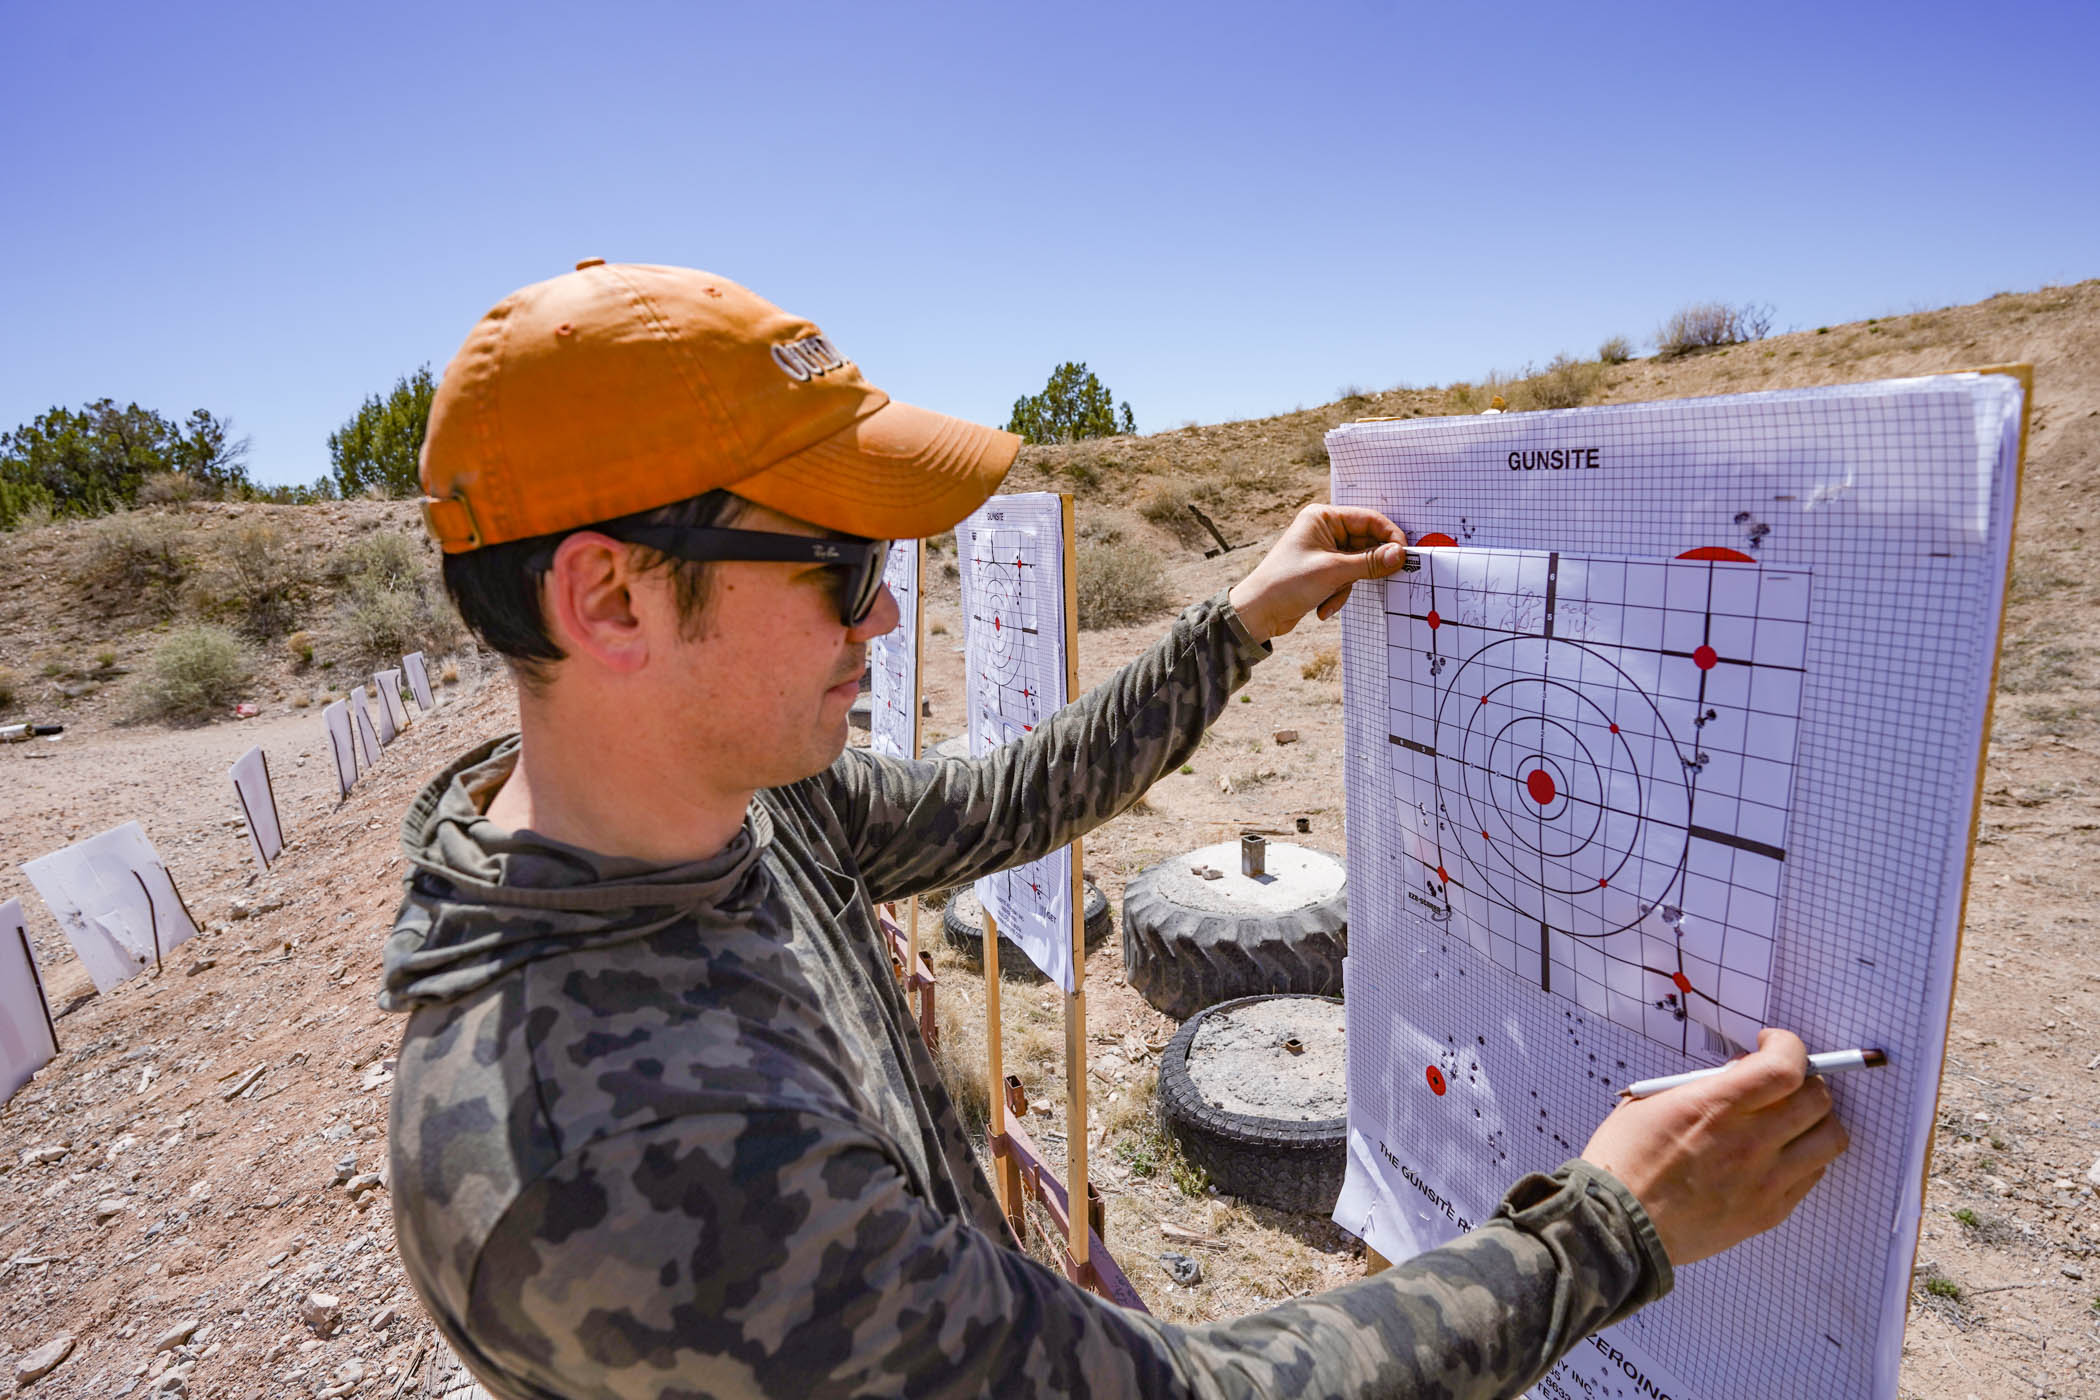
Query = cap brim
x=898 y=473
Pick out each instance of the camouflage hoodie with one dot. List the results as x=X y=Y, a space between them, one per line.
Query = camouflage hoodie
x=672 y=1132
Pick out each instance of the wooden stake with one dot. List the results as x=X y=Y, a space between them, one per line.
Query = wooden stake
x=913 y=993
x=1075 y=1005
x=1008 y=1180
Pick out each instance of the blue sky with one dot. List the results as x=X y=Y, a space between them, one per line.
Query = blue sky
x=1226 y=210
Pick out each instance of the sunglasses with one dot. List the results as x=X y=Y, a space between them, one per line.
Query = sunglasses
x=858 y=563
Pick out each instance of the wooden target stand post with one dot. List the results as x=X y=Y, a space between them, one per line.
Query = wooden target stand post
x=1023 y=1172
x=914 y=968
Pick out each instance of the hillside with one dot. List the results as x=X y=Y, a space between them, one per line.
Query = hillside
x=136 y=1196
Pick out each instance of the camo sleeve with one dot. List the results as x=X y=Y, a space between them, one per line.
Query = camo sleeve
x=781 y=1254
x=917 y=825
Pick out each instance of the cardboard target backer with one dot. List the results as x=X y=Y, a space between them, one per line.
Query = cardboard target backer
x=28 y=1038
x=418 y=674
x=258 y=803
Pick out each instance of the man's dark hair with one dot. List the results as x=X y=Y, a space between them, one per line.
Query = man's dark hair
x=497 y=587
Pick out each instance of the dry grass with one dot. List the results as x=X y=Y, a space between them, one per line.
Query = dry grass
x=9 y=684
x=1166 y=505
x=1326 y=664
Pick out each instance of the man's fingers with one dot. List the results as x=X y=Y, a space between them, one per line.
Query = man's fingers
x=1333 y=604
x=1356 y=527
x=1817 y=1148
x=1799 y=1111
x=1763 y=1078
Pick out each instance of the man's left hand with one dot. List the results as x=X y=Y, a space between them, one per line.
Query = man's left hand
x=1323 y=552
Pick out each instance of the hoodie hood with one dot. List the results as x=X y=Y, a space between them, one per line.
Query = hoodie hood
x=481 y=900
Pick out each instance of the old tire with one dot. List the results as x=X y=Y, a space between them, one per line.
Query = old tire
x=1189 y=943
x=962 y=925
x=1269 y=1126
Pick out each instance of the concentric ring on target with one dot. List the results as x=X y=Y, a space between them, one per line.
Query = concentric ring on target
x=999 y=596
x=1561 y=812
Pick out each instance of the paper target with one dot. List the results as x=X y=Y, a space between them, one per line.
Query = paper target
x=893 y=660
x=1599 y=757
x=1012 y=555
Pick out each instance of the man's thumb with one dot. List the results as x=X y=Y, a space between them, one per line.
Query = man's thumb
x=1383 y=561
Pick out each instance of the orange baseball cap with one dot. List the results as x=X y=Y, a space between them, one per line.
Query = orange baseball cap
x=620 y=387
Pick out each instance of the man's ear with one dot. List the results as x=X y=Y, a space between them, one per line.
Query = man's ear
x=590 y=603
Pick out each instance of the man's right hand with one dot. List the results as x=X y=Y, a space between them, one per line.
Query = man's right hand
x=1728 y=1157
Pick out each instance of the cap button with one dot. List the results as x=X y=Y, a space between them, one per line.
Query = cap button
x=590 y=262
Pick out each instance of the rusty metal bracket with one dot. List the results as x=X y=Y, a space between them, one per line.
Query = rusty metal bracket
x=1100 y=1273
x=919 y=984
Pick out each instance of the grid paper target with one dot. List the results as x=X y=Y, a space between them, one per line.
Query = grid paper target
x=893 y=659
x=1895 y=499
x=1596 y=757
x=1013 y=586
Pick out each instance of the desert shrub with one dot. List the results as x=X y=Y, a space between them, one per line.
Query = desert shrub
x=391 y=602
x=195 y=673
x=384 y=558
x=256 y=578
x=300 y=647
x=134 y=561
x=1325 y=662
x=1709 y=324
x=169 y=489
x=1615 y=351
x=9 y=684
x=1478 y=398
x=1312 y=448
x=1564 y=383
x=1119 y=584
x=1167 y=506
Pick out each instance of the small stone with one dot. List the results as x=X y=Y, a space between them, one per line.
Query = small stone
x=44 y=1360
x=1997 y=1185
x=1285 y=736
x=239 y=910
x=2092 y=1175
x=350 y=1372
x=321 y=1311
x=106 y=1211
x=2063 y=1183
x=278 y=1258
x=2072 y=1271
x=1182 y=1269
x=201 y=965
x=178 y=1334
x=345 y=1167
x=385 y=1317
x=38 y=1156
x=358 y=1185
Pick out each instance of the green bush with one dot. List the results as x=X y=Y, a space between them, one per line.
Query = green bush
x=384 y=558
x=1615 y=351
x=169 y=489
x=1167 y=506
x=196 y=673
x=1119 y=584
x=134 y=561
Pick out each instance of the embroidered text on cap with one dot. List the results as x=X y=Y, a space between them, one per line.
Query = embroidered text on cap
x=811 y=355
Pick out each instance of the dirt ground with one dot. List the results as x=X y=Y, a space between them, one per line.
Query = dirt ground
x=138 y=1195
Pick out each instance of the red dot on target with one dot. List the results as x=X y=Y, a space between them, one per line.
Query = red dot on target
x=1539 y=784
x=1435 y=1077
x=1705 y=657
x=1684 y=983
x=1615 y=729
x=1485 y=837
x=1433 y=620
x=1441 y=875
x=1604 y=884
x=1483 y=699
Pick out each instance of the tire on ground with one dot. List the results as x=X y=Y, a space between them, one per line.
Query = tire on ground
x=962 y=925
x=1287 y=1163
x=1189 y=943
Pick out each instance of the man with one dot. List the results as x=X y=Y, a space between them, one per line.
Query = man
x=662 y=1123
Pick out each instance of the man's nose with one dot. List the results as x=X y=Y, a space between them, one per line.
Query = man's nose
x=881 y=618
